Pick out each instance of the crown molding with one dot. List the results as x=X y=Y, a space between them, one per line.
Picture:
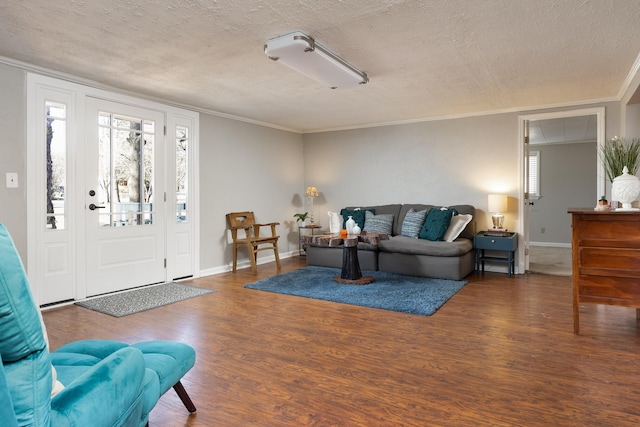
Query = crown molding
x=523 y=109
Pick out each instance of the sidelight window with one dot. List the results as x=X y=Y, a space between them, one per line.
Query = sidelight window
x=56 y=148
x=182 y=173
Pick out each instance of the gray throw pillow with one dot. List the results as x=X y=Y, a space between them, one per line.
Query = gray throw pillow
x=412 y=223
x=378 y=223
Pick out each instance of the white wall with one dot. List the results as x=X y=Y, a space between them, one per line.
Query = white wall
x=246 y=167
x=630 y=105
x=632 y=121
x=568 y=179
x=13 y=154
x=445 y=162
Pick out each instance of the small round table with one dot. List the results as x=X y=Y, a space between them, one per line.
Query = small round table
x=351 y=274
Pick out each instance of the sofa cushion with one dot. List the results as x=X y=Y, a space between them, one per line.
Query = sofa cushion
x=409 y=246
x=20 y=321
x=23 y=349
x=436 y=224
x=412 y=223
x=171 y=360
x=108 y=393
x=378 y=223
x=469 y=229
x=393 y=209
x=457 y=225
x=6 y=406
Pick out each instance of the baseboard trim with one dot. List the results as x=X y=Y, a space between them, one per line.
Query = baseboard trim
x=244 y=264
x=551 y=244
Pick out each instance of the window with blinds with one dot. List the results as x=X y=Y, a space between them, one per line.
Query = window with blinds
x=534 y=174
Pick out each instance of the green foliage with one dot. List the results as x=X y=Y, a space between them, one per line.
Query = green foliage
x=618 y=153
x=301 y=216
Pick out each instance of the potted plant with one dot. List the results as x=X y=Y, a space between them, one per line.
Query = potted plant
x=618 y=153
x=301 y=217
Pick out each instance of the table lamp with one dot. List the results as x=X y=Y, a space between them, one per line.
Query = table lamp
x=310 y=193
x=497 y=205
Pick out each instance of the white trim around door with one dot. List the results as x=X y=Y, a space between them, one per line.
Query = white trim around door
x=57 y=187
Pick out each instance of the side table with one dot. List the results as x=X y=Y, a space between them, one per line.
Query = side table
x=506 y=242
x=351 y=273
x=313 y=227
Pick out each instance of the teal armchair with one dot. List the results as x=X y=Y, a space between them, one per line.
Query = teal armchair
x=103 y=383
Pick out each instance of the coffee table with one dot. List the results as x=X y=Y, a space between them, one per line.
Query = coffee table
x=351 y=274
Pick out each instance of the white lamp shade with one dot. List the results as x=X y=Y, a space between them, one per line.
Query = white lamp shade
x=300 y=52
x=497 y=203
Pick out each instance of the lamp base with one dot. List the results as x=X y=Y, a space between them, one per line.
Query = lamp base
x=308 y=205
x=498 y=221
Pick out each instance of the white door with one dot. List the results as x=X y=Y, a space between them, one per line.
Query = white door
x=125 y=212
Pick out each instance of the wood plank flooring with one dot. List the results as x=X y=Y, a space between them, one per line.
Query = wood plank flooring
x=501 y=352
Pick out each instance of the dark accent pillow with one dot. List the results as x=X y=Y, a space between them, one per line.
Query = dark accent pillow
x=378 y=223
x=436 y=224
x=357 y=215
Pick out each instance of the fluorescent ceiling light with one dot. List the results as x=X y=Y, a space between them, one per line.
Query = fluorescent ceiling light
x=301 y=52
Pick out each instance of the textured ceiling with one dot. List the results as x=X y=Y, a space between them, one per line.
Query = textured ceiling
x=425 y=59
x=565 y=130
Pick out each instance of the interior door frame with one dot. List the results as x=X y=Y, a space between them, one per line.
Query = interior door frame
x=599 y=112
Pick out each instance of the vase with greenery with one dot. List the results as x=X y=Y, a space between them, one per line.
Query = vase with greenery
x=618 y=153
x=301 y=217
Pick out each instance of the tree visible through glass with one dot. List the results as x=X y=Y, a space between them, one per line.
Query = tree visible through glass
x=56 y=149
x=125 y=170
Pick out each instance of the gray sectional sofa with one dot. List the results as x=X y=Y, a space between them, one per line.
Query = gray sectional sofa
x=407 y=255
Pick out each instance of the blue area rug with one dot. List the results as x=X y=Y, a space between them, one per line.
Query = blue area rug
x=407 y=294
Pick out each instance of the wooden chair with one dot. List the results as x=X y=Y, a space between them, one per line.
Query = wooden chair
x=245 y=221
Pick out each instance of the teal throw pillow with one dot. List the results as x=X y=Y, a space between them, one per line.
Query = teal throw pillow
x=412 y=223
x=436 y=224
x=378 y=223
x=357 y=215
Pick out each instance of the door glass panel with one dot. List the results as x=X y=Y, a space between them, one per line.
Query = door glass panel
x=56 y=147
x=125 y=168
x=182 y=189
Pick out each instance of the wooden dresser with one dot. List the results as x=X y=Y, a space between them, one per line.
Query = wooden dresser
x=606 y=259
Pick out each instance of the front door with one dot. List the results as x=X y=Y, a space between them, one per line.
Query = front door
x=124 y=196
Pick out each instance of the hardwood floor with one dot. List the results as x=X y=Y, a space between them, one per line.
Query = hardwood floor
x=501 y=352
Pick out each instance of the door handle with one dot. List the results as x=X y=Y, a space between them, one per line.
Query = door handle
x=94 y=207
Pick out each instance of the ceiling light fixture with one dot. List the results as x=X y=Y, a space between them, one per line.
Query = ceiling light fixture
x=302 y=53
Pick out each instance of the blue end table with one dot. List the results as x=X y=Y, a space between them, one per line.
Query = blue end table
x=505 y=242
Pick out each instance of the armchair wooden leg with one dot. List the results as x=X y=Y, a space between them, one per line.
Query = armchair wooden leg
x=275 y=250
x=253 y=256
x=182 y=394
x=235 y=257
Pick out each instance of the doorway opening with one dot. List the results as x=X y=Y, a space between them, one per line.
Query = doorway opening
x=566 y=145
